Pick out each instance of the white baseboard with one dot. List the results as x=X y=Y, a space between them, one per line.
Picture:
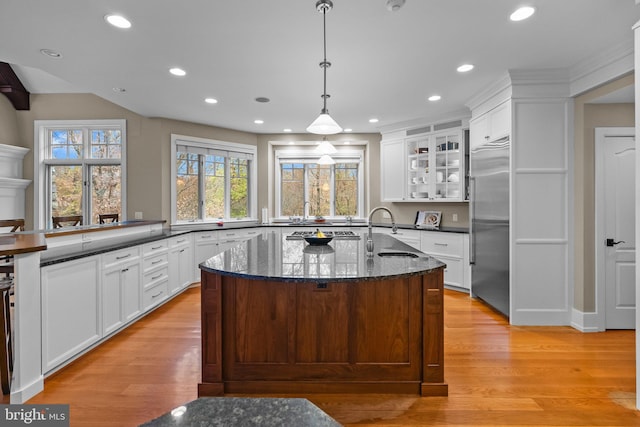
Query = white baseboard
x=27 y=392
x=585 y=322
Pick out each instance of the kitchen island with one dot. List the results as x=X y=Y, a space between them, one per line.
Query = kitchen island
x=282 y=316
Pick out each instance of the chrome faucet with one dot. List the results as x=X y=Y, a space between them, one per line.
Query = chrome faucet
x=394 y=228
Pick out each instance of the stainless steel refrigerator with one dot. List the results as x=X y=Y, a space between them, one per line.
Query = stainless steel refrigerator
x=489 y=213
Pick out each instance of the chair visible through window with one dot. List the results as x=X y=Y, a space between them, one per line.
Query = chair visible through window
x=62 y=221
x=106 y=218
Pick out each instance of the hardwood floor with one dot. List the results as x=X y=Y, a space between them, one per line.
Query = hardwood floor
x=497 y=374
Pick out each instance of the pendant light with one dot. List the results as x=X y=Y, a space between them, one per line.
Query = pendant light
x=325 y=149
x=324 y=124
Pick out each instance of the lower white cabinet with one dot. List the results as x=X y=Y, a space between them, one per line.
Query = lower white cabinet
x=410 y=237
x=181 y=262
x=205 y=246
x=70 y=302
x=120 y=288
x=453 y=250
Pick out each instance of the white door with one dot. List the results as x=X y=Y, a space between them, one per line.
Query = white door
x=619 y=229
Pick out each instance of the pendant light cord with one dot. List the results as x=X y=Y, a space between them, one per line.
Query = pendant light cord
x=324 y=64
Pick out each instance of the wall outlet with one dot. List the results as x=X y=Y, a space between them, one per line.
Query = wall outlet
x=138 y=215
x=454 y=217
x=385 y=214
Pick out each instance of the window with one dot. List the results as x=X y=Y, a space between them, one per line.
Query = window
x=330 y=190
x=81 y=170
x=212 y=180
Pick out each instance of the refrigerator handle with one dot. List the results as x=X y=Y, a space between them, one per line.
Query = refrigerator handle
x=472 y=215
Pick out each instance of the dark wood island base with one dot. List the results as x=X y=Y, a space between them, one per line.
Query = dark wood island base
x=381 y=335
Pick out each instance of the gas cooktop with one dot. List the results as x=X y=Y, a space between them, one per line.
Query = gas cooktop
x=338 y=234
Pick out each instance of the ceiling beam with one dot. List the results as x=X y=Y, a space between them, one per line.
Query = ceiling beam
x=12 y=88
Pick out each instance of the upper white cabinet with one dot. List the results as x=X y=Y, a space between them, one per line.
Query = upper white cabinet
x=492 y=125
x=424 y=168
x=392 y=170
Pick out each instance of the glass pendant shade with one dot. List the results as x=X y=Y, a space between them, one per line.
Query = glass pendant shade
x=326 y=159
x=324 y=125
x=325 y=147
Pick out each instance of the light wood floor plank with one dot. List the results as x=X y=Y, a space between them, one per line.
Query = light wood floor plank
x=498 y=375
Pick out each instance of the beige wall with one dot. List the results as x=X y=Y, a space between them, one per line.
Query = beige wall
x=587 y=118
x=9 y=134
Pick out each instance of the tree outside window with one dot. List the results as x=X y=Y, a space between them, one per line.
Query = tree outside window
x=83 y=169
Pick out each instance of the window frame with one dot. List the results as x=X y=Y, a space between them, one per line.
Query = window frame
x=42 y=186
x=310 y=156
x=224 y=146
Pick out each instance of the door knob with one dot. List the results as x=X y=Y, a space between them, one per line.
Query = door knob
x=611 y=242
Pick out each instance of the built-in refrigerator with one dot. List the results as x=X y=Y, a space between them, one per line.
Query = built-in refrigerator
x=489 y=232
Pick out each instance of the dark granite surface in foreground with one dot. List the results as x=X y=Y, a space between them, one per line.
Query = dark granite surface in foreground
x=237 y=411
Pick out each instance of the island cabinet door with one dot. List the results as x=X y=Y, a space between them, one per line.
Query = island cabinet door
x=325 y=331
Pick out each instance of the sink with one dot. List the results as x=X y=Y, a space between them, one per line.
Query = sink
x=398 y=254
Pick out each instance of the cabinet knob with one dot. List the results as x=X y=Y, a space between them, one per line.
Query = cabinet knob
x=486 y=137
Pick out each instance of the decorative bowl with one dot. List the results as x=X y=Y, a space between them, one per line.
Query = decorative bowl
x=313 y=240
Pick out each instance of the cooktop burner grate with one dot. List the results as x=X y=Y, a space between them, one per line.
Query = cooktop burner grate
x=337 y=234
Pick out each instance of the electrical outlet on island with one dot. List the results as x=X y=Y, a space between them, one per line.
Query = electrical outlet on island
x=138 y=215
x=385 y=214
x=454 y=217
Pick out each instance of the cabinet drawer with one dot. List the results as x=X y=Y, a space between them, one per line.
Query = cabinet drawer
x=155 y=295
x=454 y=272
x=121 y=256
x=180 y=241
x=150 y=249
x=442 y=243
x=206 y=236
x=151 y=278
x=155 y=262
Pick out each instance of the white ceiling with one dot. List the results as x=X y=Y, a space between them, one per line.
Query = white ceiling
x=385 y=64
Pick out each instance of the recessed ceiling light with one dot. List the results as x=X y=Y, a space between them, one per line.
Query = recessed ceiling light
x=522 y=13
x=464 y=68
x=119 y=89
x=435 y=98
x=374 y=120
x=286 y=130
x=292 y=143
x=51 y=53
x=211 y=100
x=258 y=121
x=118 y=21
x=178 y=71
x=348 y=130
x=347 y=142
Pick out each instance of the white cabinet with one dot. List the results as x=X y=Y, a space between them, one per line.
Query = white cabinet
x=453 y=250
x=120 y=288
x=410 y=237
x=70 y=303
x=205 y=246
x=392 y=170
x=155 y=275
x=424 y=168
x=492 y=125
x=180 y=262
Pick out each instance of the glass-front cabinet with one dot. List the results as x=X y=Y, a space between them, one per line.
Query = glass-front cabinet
x=433 y=167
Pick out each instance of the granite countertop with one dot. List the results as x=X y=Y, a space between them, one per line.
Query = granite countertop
x=271 y=256
x=241 y=411
x=85 y=249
